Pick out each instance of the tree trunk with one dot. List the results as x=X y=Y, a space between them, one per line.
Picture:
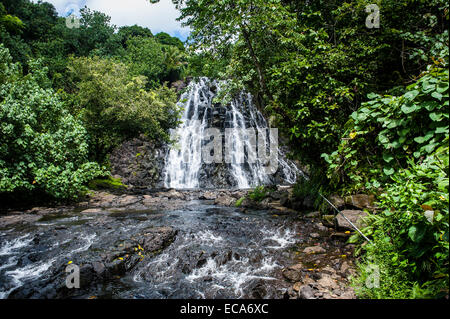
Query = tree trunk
x=262 y=80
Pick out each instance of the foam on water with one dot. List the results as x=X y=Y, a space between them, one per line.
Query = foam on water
x=284 y=237
x=10 y=247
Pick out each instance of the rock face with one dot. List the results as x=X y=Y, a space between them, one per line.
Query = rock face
x=139 y=162
x=234 y=168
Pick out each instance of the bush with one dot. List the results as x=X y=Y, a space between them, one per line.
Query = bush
x=388 y=130
x=43 y=147
x=411 y=235
x=258 y=194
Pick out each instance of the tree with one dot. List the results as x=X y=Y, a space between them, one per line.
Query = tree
x=43 y=147
x=126 y=33
x=166 y=39
x=115 y=106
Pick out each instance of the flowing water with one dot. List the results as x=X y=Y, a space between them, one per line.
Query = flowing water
x=219 y=252
x=185 y=168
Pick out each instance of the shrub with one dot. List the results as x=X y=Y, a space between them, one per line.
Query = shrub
x=411 y=234
x=258 y=194
x=43 y=147
x=388 y=130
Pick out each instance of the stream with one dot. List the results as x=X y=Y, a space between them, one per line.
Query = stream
x=218 y=252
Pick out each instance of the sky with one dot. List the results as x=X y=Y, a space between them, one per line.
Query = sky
x=160 y=17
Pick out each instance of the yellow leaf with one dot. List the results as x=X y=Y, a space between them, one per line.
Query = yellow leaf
x=353 y=135
x=69 y=262
x=347 y=232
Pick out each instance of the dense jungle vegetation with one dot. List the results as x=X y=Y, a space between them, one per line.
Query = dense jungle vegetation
x=366 y=109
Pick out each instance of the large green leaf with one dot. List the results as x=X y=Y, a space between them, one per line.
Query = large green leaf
x=416 y=233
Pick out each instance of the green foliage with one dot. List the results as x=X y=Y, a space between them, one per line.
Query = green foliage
x=168 y=40
x=311 y=189
x=388 y=130
x=43 y=147
x=157 y=62
x=258 y=194
x=106 y=183
x=115 y=105
x=239 y=202
x=127 y=32
x=411 y=234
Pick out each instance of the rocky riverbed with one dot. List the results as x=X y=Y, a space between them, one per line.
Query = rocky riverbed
x=174 y=244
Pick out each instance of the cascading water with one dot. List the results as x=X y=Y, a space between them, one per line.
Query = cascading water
x=184 y=166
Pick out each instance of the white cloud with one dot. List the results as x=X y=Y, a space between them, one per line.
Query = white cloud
x=159 y=17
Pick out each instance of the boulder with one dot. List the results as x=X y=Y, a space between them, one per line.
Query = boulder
x=173 y=194
x=355 y=216
x=327 y=282
x=93 y=211
x=293 y=273
x=224 y=200
x=328 y=220
x=337 y=201
x=127 y=200
x=360 y=201
x=313 y=215
x=314 y=250
x=306 y=292
x=155 y=239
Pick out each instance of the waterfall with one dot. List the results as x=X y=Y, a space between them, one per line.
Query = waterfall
x=184 y=168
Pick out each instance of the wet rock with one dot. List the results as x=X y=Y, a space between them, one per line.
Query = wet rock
x=93 y=211
x=306 y=292
x=360 y=200
x=296 y=287
x=116 y=268
x=314 y=235
x=127 y=200
x=293 y=273
x=224 y=200
x=314 y=250
x=313 y=215
x=345 y=268
x=327 y=282
x=258 y=290
x=6 y=221
x=102 y=199
x=340 y=235
x=354 y=216
x=285 y=199
x=155 y=239
x=328 y=220
x=337 y=201
x=208 y=196
x=321 y=227
x=173 y=194
x=99 y=268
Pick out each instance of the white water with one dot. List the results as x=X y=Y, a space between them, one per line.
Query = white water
x=184 y=160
